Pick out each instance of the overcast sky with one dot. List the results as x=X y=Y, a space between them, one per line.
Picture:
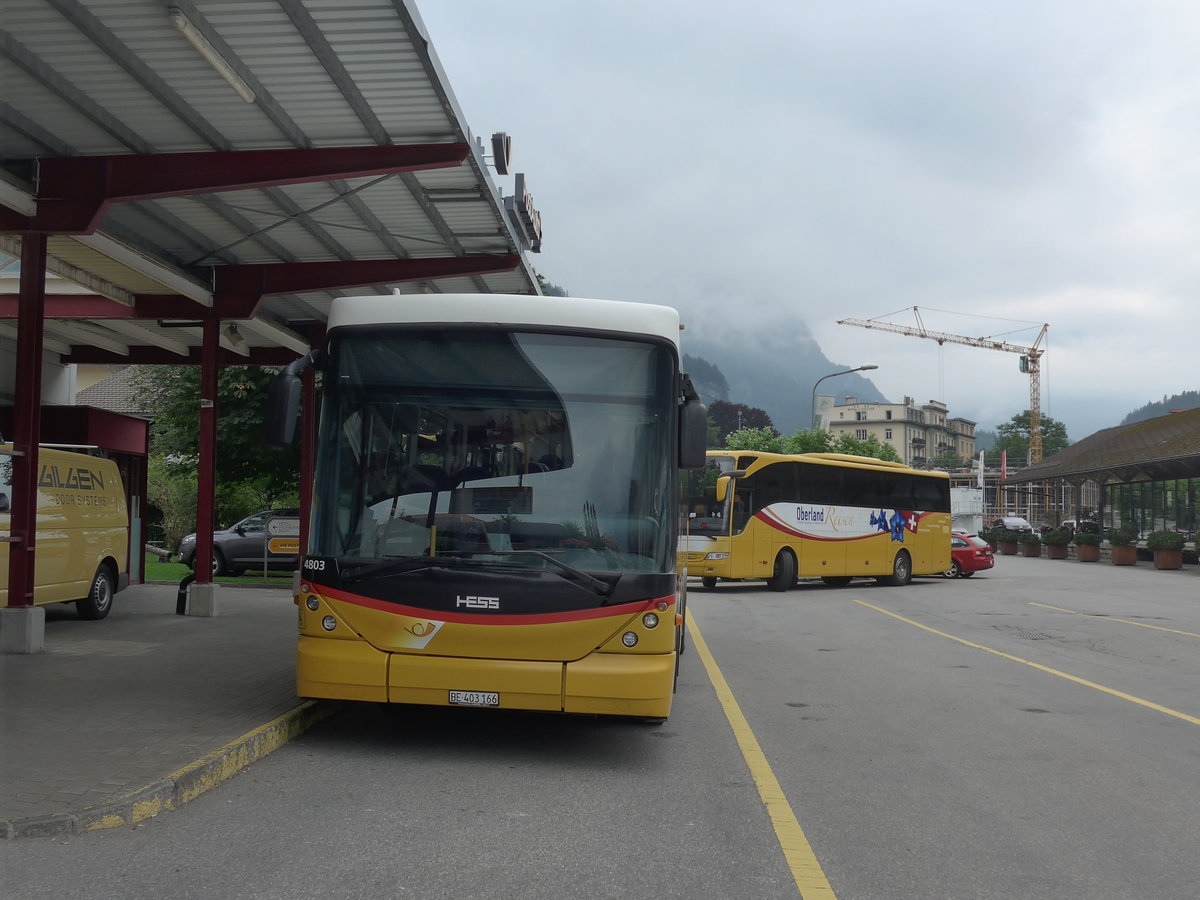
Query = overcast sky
x=782 y=164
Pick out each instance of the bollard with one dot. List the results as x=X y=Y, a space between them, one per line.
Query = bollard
x=181 y=598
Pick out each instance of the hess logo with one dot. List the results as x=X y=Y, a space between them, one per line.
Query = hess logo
x=473 y=602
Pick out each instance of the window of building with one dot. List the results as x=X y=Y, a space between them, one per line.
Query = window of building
x=861 y=434
x=887 y=414
x=887 y=434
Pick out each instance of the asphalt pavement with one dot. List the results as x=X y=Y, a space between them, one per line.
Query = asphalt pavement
x=133 y=715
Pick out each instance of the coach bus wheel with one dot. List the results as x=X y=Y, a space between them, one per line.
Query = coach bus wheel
x=709 y=583
x=901 y=571
x=784 y=575
x=100 y=596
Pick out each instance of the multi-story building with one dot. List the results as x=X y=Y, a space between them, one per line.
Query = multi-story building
x=923 y=436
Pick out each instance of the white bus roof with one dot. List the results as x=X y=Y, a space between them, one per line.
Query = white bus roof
x=506 y=309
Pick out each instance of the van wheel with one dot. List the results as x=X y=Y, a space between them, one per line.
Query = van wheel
x=100 y=597
x=784 y=575
x=901 y=571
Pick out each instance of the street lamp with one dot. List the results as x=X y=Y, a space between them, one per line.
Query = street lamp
x=813 y=407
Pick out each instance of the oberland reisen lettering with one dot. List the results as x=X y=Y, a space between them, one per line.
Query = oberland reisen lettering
x=72 y=478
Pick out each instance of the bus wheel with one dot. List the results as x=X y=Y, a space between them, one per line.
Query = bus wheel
x=836 y=580
x=901 y=571
x=100 y=596
x=784 y=575
x=709 y=583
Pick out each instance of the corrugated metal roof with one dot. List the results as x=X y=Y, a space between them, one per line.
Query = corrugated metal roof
x=111 y=77
x=1154 y=449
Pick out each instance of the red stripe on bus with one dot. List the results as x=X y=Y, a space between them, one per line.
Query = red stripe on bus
x=465 y=618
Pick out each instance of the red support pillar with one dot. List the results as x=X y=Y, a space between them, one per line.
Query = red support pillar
x=27 y=411
x=206 y=483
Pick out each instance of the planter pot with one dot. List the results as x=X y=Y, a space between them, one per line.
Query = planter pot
x=1124 y=556
x=1031 y=549
x=1056 y=551
x=1008 y=548
x=1168 y=559
x=1088 y=552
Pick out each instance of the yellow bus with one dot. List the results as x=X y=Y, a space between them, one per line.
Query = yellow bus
x=494 y=512
x=832 y=516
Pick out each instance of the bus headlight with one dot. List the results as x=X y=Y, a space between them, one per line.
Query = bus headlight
x=717 y=556
x=650 y=620
x=629 y=639
x=313 y=602
x=329 y=623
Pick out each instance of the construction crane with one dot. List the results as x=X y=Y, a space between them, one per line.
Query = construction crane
x=1030 y=363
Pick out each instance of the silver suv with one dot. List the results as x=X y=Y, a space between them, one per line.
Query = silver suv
x=245 y=545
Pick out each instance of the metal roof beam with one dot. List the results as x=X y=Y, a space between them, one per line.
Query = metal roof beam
x=237 y=286
x=73 y=193
x=155 y=356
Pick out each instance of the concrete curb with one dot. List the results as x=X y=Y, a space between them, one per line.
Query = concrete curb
x=181 y=786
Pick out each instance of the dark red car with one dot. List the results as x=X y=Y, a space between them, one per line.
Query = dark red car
x=968 y=554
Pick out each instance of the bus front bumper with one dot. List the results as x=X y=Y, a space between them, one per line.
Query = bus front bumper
x=617 y=684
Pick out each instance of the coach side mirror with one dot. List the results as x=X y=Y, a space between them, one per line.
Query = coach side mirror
x=723 y=483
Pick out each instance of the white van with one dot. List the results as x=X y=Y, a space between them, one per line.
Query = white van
x=82 y=531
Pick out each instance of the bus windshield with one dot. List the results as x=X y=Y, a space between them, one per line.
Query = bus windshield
x=495 y=446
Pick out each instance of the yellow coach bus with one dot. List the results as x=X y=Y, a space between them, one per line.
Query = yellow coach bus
x=826 y=515
x=494 y=513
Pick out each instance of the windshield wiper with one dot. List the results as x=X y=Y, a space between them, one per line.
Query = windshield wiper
x=593 y=584
x=402 y=565
x=411 y=564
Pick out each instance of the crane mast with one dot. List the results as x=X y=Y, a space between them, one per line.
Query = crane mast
x=1030 y=363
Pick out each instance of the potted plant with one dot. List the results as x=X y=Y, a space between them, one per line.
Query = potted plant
x=1031 y=544
x=1123 y=542
x=1167 y=547
x=1006 y=541
x=1056 y=541
x=1087 y=546
x=989 y=534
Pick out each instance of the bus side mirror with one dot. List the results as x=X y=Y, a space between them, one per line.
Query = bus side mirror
x=283 y=408
x=283 y=402
x=693 y=435
x=693 y=427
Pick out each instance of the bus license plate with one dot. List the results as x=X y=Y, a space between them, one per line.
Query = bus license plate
x=474 y=698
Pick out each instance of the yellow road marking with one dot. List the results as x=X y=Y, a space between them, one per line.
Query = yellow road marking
x=1099 y=687
x=806 y=870
x=1115 y=619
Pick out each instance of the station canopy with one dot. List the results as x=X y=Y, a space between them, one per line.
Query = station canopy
x=242 y=161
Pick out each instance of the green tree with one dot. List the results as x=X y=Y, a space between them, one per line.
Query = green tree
x=250 y=474
x=812 y=440
x=872 y=446
x=171 y=493
x=1013 y=436
x=731 y=417
x=765 y=440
